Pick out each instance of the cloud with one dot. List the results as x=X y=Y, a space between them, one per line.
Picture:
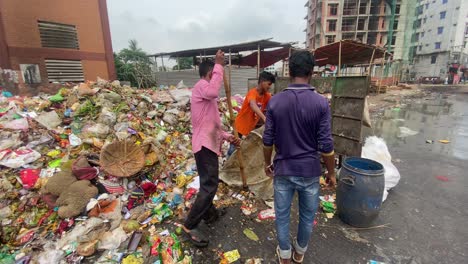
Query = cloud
x=180 y=25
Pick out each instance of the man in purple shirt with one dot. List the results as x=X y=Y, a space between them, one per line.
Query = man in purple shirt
x=298 y=125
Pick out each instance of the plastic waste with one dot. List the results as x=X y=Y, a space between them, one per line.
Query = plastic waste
x=7 y=94
x=74 y=140
x=107 y=117
x=29 y=177
x=56 y=98
x=376 y=149
x=50 y=256
x=17 y=124
x=112 y=240
x=49 y=120
x=231 y=256
x=267 y=214
x=406 y=132
x=20 y=157
x=95 y=130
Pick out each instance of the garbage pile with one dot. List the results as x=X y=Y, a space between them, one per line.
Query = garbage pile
x=94 y=171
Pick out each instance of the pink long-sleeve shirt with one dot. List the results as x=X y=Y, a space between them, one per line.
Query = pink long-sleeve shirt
x=206 y=123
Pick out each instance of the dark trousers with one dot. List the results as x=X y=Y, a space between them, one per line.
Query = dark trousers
x=208 y=169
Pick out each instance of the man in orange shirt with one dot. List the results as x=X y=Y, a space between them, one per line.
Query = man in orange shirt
x=254 y=106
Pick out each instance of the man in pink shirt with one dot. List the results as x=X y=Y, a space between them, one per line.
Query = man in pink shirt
x=207 y=136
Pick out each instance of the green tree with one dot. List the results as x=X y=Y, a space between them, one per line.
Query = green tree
x=133 y=64
x=184 y=63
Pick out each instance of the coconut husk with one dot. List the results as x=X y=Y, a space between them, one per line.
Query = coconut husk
x=122 y=159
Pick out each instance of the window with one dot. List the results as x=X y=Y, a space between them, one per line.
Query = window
x=444 y=1
x=362 y=8
x=416 y=37
x=393 y=40
x=333 y=9
x=427 y=6
x=422 y=34
x=420 y=48
x=55 y=35
x=64 y=70
x=424 y=20
x=440 y=30
x=397 y=9
x=381 y=39
x=330 y=39
x=383 y=24
x=442 y=14
x=437 y=45
x=395 y=25
x=433 y=59
x=362 y=23
x=331 y=25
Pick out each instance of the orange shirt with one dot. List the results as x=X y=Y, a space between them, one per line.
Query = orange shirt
x=247 y=118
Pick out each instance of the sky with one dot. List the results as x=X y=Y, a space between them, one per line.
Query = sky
x=164 y=26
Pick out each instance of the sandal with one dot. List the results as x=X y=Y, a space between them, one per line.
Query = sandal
x=280 y=260
x=196 y=238
x=297 y=260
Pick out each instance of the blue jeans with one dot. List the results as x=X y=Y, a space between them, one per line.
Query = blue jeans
x=308 y=192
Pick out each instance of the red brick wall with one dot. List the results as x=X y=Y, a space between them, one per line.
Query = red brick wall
x=22 y=36
x=20 y=21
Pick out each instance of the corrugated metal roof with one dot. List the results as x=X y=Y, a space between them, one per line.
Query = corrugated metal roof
x=352 y=53
x=234 y=48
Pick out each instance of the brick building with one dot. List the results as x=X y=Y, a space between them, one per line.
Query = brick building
x=55 y=41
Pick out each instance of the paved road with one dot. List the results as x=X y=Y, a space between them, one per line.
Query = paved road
x=426 y=217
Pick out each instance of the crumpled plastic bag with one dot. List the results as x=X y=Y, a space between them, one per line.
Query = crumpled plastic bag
x=107 y=117
x=406 y=132
x=376 y=149
x=49 y=120
x=96 y=130
x=20 y=157
x=17 y=124
x=50 y=254
x=9 y=140
x=112 y=240
x=79 y=231
x=181 y=96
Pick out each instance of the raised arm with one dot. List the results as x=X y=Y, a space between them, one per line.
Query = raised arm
x=211 y=91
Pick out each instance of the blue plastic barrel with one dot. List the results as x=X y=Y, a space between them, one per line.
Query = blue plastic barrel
x=360 y=190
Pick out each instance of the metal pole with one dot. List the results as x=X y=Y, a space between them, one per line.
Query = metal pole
x=339 y=61
x=230 y=66
x=258 y=60
x=162 y=63
x=370 y=63
x=156 y=63
x=178 y=63
x=382 y=71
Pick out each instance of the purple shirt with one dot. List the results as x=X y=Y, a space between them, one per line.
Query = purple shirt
x=298 y=124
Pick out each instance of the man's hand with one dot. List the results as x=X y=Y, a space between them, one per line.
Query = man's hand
x=269 y=170
x=219 y=58
x=234 y=140
x=331 y=178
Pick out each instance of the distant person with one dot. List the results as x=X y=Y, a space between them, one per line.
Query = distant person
x=254 y=106
x=298 y=126
x=206 y=145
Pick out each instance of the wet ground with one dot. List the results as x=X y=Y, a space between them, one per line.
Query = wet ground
x=424 y=217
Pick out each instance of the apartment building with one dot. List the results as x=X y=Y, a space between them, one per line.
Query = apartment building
x=55 y=41
x=439 y=38
x=368 y=21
